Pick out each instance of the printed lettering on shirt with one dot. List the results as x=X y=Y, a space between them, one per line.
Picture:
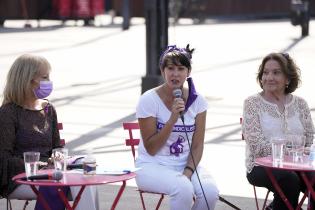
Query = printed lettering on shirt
x=178 y=128
x=177 y=141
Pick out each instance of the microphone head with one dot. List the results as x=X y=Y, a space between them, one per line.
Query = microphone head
x=177 y=93
x=57 y=175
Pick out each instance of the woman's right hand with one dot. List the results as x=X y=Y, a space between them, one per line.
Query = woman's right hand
x=177 y=107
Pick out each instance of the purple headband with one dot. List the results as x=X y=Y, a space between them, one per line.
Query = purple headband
x=173 y=48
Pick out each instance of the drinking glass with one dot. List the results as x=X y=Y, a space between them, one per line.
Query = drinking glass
x=31 y=160
x=277 y=149
x=60 y=156
x=297 y=144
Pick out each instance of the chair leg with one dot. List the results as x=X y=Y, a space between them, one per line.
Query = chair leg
x=228 y=203
x=25 y=204
x=142 y=201
x=256 y=200
x=160 y=201
x=266 y=198
x=9 y=205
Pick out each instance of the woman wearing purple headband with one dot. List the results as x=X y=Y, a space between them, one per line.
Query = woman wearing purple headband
x=172 y=122
x=28 y=122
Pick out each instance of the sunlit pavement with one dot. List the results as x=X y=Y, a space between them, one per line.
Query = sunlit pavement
x=97 y=79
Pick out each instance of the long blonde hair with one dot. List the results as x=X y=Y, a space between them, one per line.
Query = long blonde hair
x=19 y=78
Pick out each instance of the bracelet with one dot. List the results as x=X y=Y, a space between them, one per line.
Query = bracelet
x=190 y=168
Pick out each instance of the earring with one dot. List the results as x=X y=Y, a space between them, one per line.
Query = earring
x=286 y=85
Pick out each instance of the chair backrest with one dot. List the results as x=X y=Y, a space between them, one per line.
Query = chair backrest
x=62 y=141
x=131 y=141
x=241 y=121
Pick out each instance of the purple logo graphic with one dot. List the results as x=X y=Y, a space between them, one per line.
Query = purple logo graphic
x=177 y=147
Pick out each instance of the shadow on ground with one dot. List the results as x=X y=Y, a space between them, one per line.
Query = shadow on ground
x=130 y=200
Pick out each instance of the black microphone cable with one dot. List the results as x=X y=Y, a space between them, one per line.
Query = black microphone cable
x=193 y=160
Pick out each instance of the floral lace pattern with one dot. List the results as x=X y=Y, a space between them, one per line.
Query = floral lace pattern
x=262 y=120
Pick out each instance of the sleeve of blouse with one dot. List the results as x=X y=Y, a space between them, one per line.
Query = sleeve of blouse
x=10 y=165
x=308 y=123
x=251 y=128
x=55 y=130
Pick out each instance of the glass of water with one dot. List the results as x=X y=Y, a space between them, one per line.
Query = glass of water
x=297 y=143
x=31 y=160
x=278 y=150
x=60 y=156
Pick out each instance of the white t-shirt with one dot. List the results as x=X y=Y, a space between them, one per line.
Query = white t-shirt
x=176 y=149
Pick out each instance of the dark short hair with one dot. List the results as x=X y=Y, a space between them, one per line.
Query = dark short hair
x=177 y=56
x=288 y=67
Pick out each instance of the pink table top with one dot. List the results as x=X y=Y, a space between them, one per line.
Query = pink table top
x=74 y=178
x=287 y=164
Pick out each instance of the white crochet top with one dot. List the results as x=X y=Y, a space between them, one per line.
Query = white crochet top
x=262 y=120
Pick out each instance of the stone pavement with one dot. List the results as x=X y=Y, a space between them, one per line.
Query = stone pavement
x=97 y=78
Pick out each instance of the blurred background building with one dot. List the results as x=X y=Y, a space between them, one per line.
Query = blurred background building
x=197 y=9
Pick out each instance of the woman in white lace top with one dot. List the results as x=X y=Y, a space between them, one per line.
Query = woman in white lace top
x=273 y=112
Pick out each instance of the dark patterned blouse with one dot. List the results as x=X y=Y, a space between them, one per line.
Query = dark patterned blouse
x=24 y=130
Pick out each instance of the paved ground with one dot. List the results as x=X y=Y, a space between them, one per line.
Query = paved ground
x=97 y=78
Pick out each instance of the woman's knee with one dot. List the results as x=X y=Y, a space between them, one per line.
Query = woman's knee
x=183 y=190
x=211 y=192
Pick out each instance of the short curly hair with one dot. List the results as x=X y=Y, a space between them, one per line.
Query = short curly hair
x=288 y=67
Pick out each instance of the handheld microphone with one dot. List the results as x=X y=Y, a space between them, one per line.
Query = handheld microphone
x=177 y=93
x=56 y=175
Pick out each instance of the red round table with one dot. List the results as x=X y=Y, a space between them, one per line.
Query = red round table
x=73 y=178
x=301 y=168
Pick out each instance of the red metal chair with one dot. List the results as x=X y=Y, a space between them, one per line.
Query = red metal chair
x=132 y=142
x=267 y=194
x=62 y=141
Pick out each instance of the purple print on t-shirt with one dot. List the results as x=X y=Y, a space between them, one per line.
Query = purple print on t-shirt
x=177 y=147
x=178 y=128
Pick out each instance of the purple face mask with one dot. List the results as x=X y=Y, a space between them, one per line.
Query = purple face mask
x=44 y=89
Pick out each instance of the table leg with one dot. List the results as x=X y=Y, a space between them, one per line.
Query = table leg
x=308 y=184
x=121 y=190
x=278 y=189
x=77 y=199
x=40 y=197
x=65 y=200
x=305 y=195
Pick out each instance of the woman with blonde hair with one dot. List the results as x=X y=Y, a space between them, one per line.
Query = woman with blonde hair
x=28 y=122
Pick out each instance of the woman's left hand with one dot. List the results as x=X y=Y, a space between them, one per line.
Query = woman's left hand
x=187 y=173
